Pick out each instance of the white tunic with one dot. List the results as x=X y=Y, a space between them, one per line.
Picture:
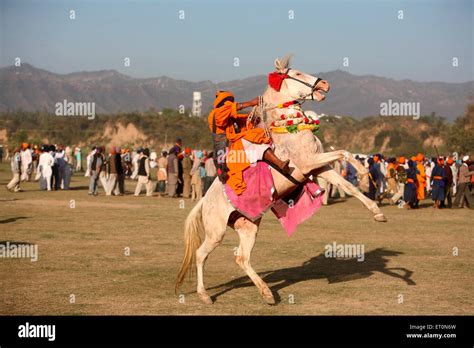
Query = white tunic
x=45 y=164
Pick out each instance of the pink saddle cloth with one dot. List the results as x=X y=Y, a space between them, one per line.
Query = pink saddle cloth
x=258 y=198
x=258 y=195
x=306 y=203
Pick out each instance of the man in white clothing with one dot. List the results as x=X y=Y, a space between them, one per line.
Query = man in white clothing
x=135 y=158
x=89 y=159
x=26 y=162
x=14 y=184
x=144 y=179
x=45 y=168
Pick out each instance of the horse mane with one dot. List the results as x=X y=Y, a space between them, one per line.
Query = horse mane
x=281 y=64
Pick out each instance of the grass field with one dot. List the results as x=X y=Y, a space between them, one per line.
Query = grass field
x=82 y=252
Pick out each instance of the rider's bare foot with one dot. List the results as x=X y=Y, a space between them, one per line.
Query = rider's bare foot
x=270 y=157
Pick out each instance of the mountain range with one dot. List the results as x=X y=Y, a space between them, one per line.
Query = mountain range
x=32 y=89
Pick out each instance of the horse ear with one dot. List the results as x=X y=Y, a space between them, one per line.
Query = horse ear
x=277 y=65
x=285 y=61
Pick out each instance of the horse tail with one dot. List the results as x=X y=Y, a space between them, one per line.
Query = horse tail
x=192 y=240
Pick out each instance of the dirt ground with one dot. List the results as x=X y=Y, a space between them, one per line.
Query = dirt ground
x=120 y=255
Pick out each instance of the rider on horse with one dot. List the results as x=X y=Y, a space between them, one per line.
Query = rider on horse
x=247 y=143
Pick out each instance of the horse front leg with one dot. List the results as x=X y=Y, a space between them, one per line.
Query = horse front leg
x=331 y=176
x=306 y=164
x=361 y=170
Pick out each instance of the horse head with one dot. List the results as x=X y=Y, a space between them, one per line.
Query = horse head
x=291 y=84
x=288 y=89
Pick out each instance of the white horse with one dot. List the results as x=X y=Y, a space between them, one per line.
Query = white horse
x=213 y=213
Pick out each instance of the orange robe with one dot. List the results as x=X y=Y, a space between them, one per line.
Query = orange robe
x=225 y=116
x=421 y=177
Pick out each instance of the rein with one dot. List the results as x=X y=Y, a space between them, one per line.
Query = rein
x=261 y=109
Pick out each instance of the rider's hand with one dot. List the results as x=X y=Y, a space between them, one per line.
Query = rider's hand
x=247 y=104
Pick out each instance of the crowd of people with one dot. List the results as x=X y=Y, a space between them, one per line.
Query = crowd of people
x=182 y=172
x=48 y=164
x=446 y=180
x=177 y=172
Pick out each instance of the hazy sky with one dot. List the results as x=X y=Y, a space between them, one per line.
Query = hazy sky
x=203 y=46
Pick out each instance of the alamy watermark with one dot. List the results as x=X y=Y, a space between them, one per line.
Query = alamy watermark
x=37 y=331
x=345 y=251
x=66 y=108
x=391 y=108
x=237 y=156
x=19 y=250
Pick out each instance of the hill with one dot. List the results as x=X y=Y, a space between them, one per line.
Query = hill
x=32 y=89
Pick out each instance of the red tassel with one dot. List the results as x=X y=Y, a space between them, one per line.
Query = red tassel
x=275 y=80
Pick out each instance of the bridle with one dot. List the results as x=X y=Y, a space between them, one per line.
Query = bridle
x=312 y=86
x=299 y=101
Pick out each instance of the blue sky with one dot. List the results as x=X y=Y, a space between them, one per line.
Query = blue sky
x=204 y=44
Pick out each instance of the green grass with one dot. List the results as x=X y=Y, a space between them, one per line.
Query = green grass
x=81 y=252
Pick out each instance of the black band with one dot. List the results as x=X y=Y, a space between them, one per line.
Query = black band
x=229 y=98
x=286 y=175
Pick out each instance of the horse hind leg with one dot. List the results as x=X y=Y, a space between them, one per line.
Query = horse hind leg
x=202 y=253
x=215 y=214
x=247 y=232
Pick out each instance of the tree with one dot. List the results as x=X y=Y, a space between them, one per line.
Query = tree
x=19 y=137
x=461 y=137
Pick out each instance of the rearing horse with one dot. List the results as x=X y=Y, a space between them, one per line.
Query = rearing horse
x=213 y=213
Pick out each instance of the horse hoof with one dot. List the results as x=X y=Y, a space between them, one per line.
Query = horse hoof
x=269 y=299
x=206 y=299
x=380 y=218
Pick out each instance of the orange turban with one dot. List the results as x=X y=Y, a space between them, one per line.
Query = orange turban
x=187 y=151
x=401 y=160
x=376 y=158
x=413 y=158
x=450 y=161
x=420 y=157
x=221 y=97
x=24 y=145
